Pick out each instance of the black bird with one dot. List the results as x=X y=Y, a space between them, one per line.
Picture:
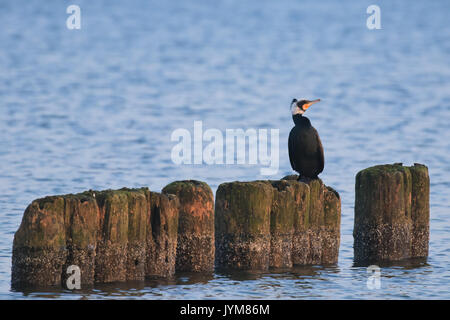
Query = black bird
x=305 y=147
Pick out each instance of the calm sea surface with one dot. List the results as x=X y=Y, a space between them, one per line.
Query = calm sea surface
x=95 y=108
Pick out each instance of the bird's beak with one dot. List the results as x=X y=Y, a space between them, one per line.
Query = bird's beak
x=307 y=105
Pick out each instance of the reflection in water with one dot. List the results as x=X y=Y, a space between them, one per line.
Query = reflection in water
x=410 y=263
x=271 y=280
x=293 y=283
x=193 y=277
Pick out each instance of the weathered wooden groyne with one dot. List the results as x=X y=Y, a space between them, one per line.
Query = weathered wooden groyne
x=112 y=235
x=195 y=242
x=132 y=234
x=392 y=213
x=262 y=224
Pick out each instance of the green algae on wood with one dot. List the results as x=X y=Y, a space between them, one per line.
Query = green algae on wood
x=138 y=212
x=111 y=260
x=104 y=233
x=195 y=244
x=242 y=219
x=420 y=211
x=280 y=217
x=162 y=235
x=301 y=238
x=387 y=201
x=330 y=233
x=42 y=224
x=82 y=221
x=317 y=234
x=282 y=224
x=39 y=244
x=130 y=234
x=316 y=211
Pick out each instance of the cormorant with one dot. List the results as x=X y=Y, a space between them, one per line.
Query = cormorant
x=305 y=147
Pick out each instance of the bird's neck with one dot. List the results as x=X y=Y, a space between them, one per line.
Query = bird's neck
x=300 y=120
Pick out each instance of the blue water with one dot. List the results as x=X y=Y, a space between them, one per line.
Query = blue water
x=95 y=108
